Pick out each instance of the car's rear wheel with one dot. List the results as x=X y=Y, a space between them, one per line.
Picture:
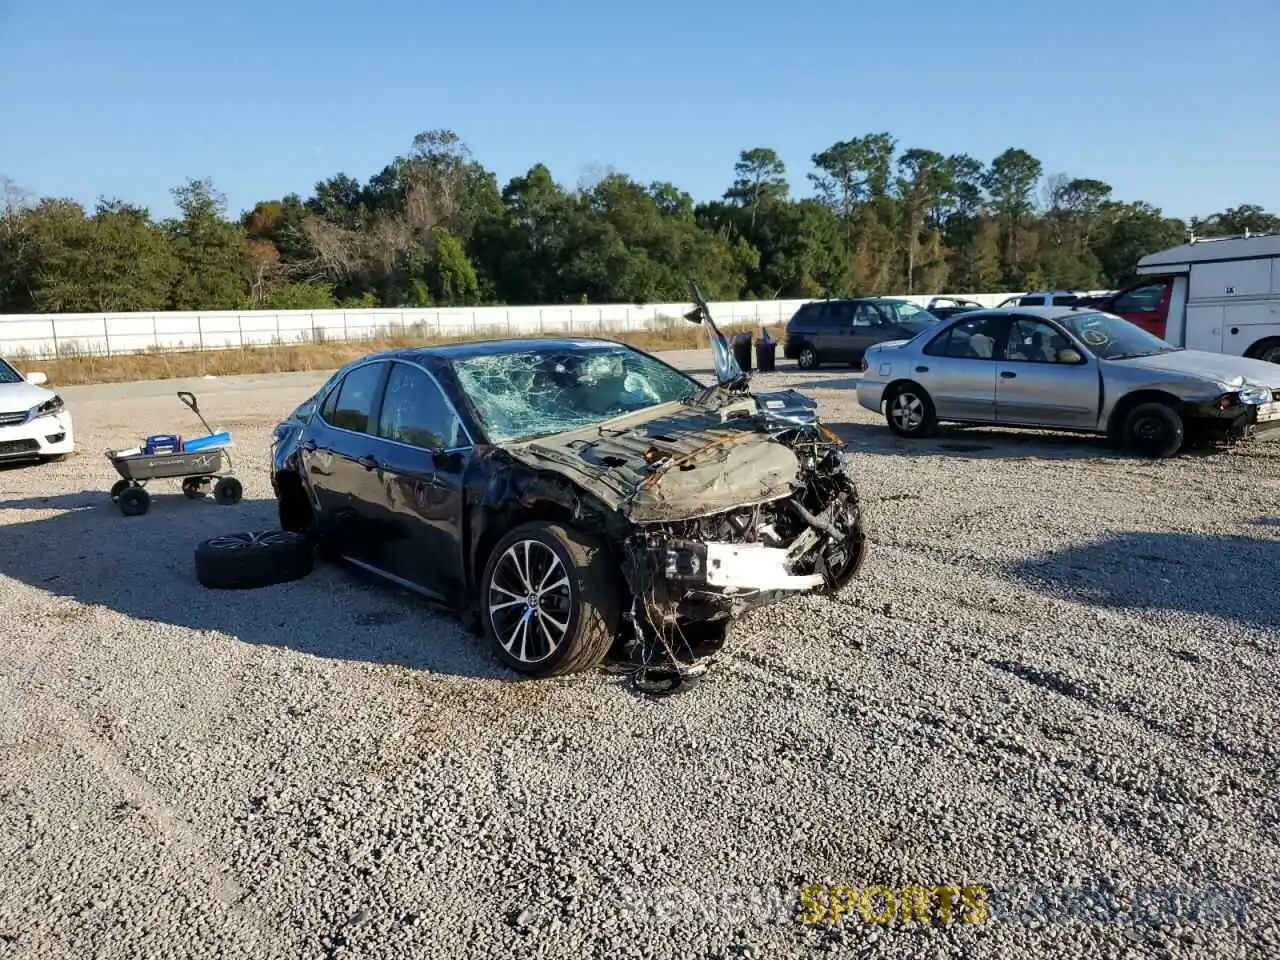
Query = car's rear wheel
x=550 y=600
x=909 y=411
x=1154 y=430
x=807 y=358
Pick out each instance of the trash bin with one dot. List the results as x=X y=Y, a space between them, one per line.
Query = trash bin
x=765 y=350
x=742 y=351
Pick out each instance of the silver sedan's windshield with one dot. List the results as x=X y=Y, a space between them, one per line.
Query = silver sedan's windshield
x=1113 y=338
x=547 y=390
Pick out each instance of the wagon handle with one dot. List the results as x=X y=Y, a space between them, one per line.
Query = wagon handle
x=190 y=400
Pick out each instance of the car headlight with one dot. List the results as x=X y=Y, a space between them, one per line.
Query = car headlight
x=50 y=406
x=1254 y=393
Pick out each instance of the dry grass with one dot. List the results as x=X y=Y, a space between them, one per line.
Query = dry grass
x=304 y=355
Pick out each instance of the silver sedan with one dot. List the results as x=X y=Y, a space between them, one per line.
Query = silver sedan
x=1067 y=369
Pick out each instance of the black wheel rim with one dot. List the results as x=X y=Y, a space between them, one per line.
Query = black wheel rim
x=1149 y=431
x=254 y=540
x=529 y=601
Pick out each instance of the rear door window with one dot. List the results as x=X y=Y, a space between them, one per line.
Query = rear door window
x=1030 y=302
x=837 y=315
x=358 y=399
x=969 y=339
x=814 y=316
x=865 y=315
x=415 y=412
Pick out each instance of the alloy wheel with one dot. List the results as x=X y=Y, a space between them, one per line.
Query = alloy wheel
x=248 y=541
x=530 y=601
x=907 y=411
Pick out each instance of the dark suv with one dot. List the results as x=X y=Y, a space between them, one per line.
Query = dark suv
x=839 y=331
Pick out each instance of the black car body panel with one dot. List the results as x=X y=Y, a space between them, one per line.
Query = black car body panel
x=657 y=485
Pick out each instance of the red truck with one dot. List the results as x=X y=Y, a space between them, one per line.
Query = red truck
x=1220 y=294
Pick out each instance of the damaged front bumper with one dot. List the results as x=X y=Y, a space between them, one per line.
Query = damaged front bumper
x=678 y=578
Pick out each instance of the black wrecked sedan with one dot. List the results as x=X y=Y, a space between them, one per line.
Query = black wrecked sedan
x=576 y=499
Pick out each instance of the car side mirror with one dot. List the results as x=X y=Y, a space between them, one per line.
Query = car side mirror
x=1070 y=356
x=35 y=378
x=446 y=459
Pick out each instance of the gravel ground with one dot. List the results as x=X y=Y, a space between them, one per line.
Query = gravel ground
x=1055 y=680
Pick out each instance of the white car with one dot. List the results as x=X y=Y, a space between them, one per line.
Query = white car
x=34 y=422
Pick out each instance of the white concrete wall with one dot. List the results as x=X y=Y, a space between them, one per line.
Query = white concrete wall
x=51 y=334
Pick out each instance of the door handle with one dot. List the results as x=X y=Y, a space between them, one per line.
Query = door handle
x=1008 y=374
x=368 y=462
x=922 y=369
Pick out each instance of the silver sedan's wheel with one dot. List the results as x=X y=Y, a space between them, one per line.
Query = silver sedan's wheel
x=909 y=411
x=550 y=599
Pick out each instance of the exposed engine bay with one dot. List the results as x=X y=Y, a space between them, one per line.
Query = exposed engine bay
x=690 y=577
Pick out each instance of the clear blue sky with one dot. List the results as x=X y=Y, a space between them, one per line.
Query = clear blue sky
x=1172 y=101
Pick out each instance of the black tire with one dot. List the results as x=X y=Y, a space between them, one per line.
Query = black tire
x=807 y=358
x=193 y=487
x=589 y=605
x=918 y=419
x=134 y=501
x=259 y=558
x=1154 y=430
x=1268 y=350
x=227 y=491
x=119 y=487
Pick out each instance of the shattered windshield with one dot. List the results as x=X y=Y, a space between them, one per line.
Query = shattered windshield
x=546 y=390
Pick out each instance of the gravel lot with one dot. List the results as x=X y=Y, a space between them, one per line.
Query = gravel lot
x=1058 y=671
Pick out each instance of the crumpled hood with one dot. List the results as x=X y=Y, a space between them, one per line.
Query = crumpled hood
x=675 y=464
x=1215 y=366
x=17 y=397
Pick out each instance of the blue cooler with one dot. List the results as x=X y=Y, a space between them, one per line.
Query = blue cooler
x=162 y=443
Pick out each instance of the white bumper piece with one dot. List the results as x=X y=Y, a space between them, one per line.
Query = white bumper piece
x=753 y=566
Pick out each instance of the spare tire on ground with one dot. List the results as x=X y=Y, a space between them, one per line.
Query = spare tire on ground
x=260 y=558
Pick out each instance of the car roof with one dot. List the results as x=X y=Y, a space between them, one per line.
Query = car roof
x=497 y=346
x=1044 y=313
x=814 y=303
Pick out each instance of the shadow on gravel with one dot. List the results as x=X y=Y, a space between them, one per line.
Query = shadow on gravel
x=1217 y=576
x=143 y=567
x=996 y=443
x=979 y=443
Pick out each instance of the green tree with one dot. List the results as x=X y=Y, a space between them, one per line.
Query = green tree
x=760 y=179
x=212 y=253
x=1010 y=182
x=923 y=178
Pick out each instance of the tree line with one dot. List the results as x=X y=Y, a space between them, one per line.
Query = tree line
x=435 y=228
